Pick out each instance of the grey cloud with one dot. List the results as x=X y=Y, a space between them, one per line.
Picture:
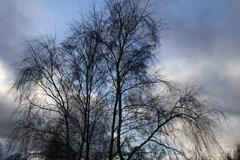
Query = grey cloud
x=199 y=27
x=206 y=34
x=18 y=23
x=223 y=89
x=6 y=120
x=13 y=25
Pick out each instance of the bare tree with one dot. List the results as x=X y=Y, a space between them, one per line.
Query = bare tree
x=141 y=118
x=96 y=95
x=128 y=40
x=85 y=59
x=61 y=87
x=44 y=96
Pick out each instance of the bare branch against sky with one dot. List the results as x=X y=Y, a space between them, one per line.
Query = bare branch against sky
x=200 y=44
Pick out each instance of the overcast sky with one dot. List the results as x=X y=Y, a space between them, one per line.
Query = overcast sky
x=201 y=44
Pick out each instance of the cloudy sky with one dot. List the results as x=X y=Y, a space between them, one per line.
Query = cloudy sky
x=202 y=43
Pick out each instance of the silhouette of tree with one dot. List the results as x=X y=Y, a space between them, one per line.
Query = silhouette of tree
x=54 y=149
x=43 y=94
x=59 y=95
x=86 y=60
x=142 y=118
x=95 y=95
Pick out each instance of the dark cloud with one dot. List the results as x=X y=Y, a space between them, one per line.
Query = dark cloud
x=203 y=43
x=206 y=34
x=201 y=27
x=18 y=23
x=13 y=26
x=6 y=120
